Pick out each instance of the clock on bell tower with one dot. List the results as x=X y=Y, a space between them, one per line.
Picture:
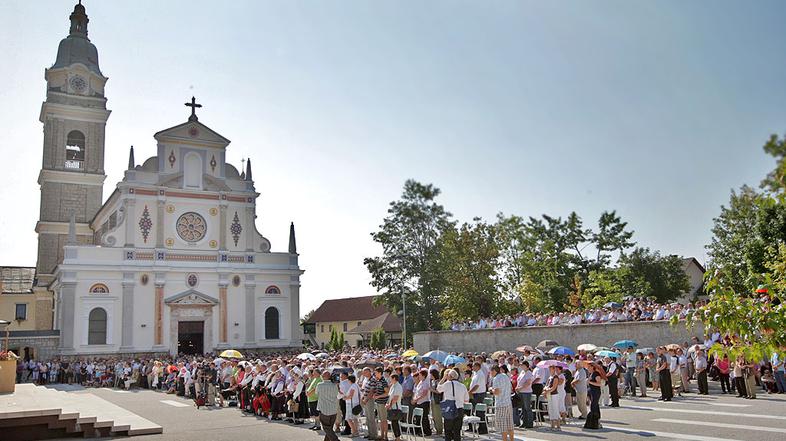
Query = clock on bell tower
x=74 y=116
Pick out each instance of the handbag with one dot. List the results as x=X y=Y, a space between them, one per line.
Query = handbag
x=294 y=406
x=448 y=407
x=357 y=409
x=515 y=400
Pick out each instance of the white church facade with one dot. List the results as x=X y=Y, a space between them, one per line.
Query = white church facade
x=172 y=260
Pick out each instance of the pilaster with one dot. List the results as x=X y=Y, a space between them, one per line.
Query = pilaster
x=250 y=311
x=127 y=329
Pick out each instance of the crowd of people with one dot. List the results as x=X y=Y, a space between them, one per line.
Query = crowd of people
x=376 y=393
x=631 y=310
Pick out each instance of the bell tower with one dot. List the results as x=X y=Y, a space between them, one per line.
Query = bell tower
x=72 y=175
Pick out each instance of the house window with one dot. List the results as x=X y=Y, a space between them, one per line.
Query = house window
x=345 y=327
x=99 y=288
x=330 y=328
x=21 y=311
x=359 y=323
x=322 y=328
x=96 y=327
x=271 y=324
x=75 y=149
x=272 y=290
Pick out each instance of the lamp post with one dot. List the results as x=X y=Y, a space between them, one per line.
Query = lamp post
x=404 y=302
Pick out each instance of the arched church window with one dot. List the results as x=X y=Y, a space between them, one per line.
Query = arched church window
x=271 y=324
x=75 y=149
x=96 y=327
x=272 y=290
x=99 y=288
x=192 y=171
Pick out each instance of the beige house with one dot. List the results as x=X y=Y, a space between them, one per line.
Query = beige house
x=356 y=317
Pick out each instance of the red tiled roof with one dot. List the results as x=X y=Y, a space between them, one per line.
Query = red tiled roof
x=387 y=321
x=348 y=309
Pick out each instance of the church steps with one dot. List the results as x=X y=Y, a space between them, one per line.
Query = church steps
x=45 y=413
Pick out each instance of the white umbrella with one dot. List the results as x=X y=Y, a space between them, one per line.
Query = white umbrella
x=306 y=356
x=589 y=347
x=322 y=355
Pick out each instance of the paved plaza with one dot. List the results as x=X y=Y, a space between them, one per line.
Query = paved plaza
x=698 y=418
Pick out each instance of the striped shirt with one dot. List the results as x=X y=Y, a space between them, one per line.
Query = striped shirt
x=327 y=401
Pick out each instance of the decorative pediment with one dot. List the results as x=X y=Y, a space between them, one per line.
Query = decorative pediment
x=192 y=132
x=191 y=297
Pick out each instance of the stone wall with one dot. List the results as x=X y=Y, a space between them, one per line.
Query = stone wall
x=647 y=334
x=41 y=347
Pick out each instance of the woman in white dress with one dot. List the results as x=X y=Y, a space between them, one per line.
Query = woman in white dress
x=352 y=399
x=552 y=388
x=561 y=394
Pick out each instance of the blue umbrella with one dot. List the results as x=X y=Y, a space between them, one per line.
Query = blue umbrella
x=562 y=350
x=625 y=344
x=453 y=359
x=611 y=354
x=436 y=355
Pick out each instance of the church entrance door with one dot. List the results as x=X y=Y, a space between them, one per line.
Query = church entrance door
x=190 y=337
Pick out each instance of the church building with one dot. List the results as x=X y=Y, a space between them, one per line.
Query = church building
x=172 y=260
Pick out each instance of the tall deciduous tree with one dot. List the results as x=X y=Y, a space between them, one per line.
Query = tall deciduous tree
x=648 y=274
x=469 y=265
x=408 y=236
x=611 y=237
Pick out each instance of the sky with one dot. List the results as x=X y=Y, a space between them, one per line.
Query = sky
x=654 y=109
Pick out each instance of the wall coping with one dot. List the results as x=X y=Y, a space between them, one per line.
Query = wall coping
x=588 y=325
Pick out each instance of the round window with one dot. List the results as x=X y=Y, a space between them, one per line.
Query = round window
x=191 y=227
x=236 y=281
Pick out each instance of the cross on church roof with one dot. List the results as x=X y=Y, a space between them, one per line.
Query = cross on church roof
x=193 y=105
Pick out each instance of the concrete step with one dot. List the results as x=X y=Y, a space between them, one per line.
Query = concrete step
x=71 y=412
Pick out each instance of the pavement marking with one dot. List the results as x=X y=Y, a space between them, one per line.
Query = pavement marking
x=725 y=425
x=668 y=434
x=707 y=412
x=175 y=403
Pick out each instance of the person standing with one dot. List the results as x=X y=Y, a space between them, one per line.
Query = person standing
x=640 y=370
x=664 y=376
x=779 y=371
x=422 y=398
x=595 y=383
x=393 y=406
x=351 y=401
x=723 y=365
x=380 y=396
x=455 y=391
x=524 y=390
x=580 y=386
x=541 y=376
x=436 y=398
x=684 y=370
x=327 y=405
x=551 y=391
x=630 y=371
x=366 y=386
x=311 y=397
x=749 y=373
x=612 y=375
x=503 y=406
x=477 y=389
x=700 y=364
x=739 y=380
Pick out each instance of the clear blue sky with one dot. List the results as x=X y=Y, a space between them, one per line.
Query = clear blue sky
x=655 y=109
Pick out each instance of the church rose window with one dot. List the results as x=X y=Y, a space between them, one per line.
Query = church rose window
x=191 y=227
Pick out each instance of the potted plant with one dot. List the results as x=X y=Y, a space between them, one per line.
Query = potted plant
x=7 y=371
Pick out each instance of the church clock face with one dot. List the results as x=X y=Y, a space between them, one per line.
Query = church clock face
x=191 y=227
x=78 y=84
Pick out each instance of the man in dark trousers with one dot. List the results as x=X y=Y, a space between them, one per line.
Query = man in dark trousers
x=612 y=372
x=664 y=375
x=327 y=405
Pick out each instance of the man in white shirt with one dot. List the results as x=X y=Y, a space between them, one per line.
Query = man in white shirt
x=453 y=390
x=477 y=389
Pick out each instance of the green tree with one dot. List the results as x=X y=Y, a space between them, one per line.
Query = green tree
x=408 y=237
x=532 y=296
x=603 y=286
x=735 y=248
x=611 y=237
x=648 y=274
x=378 y=339
x=468 y=260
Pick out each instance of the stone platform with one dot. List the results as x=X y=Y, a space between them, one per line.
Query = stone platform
x=37 y=412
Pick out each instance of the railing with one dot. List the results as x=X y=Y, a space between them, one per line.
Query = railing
x=73 y=164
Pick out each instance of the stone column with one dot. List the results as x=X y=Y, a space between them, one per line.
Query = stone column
x=127 y=334
x=159 y=313
x=222 y=314
x=294 y=308
x=250 y=311
x=159 y=225
x=68 y=305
